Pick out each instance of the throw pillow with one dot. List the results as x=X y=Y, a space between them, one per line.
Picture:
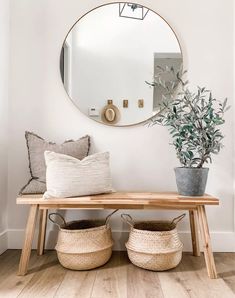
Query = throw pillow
x=67 y=176
x=36 y=148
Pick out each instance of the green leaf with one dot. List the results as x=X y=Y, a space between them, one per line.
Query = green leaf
x=193 y=118
x=224 y=103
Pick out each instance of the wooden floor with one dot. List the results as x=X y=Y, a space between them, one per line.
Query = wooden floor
x=118 y=278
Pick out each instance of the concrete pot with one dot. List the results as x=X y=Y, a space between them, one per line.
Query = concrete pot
x=191 y=181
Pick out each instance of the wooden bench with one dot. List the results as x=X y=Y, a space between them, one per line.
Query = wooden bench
x=121 y=200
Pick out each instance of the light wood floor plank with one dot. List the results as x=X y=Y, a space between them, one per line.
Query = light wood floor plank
x=7 y=258
x=143 y=283
x=77 y=284
x=172 y=285
x=117 y=279
x=11 y=285
x=47 y=280
x=192 y=275
x=226 y=268
x=111 y=281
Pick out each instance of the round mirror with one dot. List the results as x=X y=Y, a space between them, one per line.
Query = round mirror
x=110 y=55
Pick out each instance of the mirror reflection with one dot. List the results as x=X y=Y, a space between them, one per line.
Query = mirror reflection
x=110 y=54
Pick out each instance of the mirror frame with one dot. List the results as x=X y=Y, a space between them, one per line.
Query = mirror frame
x=96 y=7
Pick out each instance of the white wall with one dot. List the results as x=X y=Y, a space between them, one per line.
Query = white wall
x=141 y=158
x=4 y=65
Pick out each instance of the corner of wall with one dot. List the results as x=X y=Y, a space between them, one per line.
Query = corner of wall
x=4 y=97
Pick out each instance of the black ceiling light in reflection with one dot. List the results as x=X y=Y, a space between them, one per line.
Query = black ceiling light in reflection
x=132 y=11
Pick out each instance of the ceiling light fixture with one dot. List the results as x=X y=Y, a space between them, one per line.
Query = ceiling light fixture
x=132 y=11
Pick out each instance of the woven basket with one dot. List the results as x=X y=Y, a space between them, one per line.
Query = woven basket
x=83 y=244
x=154 y=245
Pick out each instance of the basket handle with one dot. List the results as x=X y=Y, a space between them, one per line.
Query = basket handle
x=178 y=219
x=59 y=215
x=109 y=216
x=127 y=219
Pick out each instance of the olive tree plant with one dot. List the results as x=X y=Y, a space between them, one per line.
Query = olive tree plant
x=193 y=119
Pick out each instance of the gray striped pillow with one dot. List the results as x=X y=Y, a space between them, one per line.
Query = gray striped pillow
x=36 y=148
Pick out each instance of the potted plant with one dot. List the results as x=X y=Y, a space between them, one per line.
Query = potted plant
x=193 y=120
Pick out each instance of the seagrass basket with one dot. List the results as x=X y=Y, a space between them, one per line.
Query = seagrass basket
x=83 y=244
x=154 y=245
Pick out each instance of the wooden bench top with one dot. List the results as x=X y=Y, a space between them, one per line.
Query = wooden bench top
x=120 y=200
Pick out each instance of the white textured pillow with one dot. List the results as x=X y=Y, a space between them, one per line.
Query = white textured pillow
x=67 y=176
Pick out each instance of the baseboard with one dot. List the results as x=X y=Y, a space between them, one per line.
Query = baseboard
x=221 y=241
x=3 y=242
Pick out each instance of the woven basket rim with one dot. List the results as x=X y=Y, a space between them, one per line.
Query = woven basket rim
x=159 y=252
x=102 y=227
x=133 y=229
x=172 y=225
x=87 y=252
x=155 y=221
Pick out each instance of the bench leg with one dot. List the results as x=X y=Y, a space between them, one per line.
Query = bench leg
x=208 y=254
x=29 y=232
x=194 y=232
x=42 y=231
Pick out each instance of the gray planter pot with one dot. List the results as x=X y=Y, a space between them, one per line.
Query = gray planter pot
x=191 y=181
